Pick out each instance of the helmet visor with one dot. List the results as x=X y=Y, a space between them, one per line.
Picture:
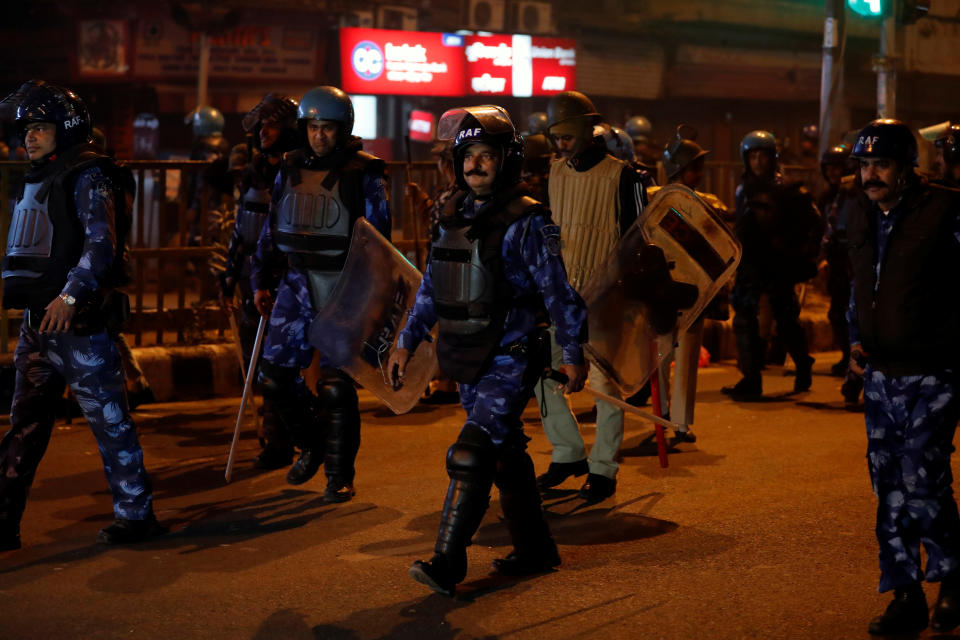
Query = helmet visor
x=491 y=118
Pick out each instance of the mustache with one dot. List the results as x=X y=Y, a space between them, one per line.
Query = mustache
x=880 y=184
x=475 y=172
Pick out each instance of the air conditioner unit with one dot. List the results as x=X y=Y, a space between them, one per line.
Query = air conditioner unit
x=486 y=15
x=535 y=17
x=357 y=18
x=399 y=18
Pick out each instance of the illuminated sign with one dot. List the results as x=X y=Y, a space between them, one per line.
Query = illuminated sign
x=421 y=126
x=377 y=61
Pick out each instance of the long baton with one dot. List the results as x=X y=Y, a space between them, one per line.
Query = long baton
x=247 y=388
x=238 y=351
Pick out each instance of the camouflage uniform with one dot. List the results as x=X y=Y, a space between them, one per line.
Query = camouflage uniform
x=90 y=364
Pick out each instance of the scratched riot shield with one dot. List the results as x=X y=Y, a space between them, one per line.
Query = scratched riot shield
x=662 y=274
x=357 y=329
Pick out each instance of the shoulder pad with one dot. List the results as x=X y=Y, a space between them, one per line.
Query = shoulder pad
x=367 y=163
x=524 y=205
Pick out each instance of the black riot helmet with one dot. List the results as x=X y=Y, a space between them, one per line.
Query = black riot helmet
x=838 y=155
x=490 y=125
x=682 y=151
x=274 y=108
x=638 y=128
x=537 y=123
x=38 y=101
x=326 y=103
x=572 y=113
x=206 y=121
x=949 y=144
x=887 y=138
x=758 y=139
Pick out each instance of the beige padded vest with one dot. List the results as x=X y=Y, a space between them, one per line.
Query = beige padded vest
x=586 y=205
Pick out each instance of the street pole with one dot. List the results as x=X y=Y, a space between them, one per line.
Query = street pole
x=831 y=76
x=204 y=73
x=884 y=64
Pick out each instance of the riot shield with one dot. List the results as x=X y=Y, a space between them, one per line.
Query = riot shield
x=357 y=328
x=662 y=274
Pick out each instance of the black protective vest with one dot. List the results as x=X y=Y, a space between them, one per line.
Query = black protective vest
x=46 y=237
x=315 y=216
x=909 y=322
x=472 y=295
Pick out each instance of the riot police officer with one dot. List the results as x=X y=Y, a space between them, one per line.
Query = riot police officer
x=780 y=230
x=640 y=131
x=595 y=199
x=904 y=313
x=488 y=341
x=66 y=254
x=322 y=188
x=948 y=157
x=273 y=125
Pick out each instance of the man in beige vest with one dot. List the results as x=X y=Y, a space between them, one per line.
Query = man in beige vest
x=595 y=198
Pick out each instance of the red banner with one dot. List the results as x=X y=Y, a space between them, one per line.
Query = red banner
x=421 y=126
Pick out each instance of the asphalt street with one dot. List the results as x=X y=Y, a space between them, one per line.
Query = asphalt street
x=761 y=529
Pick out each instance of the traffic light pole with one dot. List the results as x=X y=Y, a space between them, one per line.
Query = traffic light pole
x=884 y=64
x=831 y=76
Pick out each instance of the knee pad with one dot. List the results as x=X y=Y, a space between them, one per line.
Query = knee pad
x=275 y=381
x=336 y=392
x=472 y=455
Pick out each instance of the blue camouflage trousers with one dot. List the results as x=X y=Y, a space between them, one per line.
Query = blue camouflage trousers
x=497 y=400
x=91 y=366
x=910 y=425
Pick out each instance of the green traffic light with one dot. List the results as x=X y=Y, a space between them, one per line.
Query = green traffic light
x=868 y=8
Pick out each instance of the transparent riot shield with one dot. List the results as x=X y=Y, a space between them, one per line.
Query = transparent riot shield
x=643 y=295
x=357 y=329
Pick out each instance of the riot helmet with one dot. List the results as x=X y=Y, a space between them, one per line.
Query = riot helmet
x=949 y=144
x=537 y=122
x=682 y=151
x=487 y=124
x=38 y=101
x=762 y=140
x=326 y=103
x=638 y=128
x=277 y=109
x=887 y=138
x=619 y=144
x=207 y=122
x=837 y=155
x=572 y=113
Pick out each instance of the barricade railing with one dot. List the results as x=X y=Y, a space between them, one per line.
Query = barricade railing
x=172 y=241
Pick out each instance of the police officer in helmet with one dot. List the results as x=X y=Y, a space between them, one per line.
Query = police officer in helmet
x=904 y=313
x=66 y=253
x=322 y=188
x=948 y=157
x=273 y=125
x=490 y=337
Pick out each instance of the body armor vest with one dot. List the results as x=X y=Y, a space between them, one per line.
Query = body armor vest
x=472 y=295
x=586 y=205
x=31 y=231
x=251 y=215
x=463 y=286
x=313 y=229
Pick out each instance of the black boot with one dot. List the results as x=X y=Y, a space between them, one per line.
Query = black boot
x=906 y=614
x=471 y=463
x=851 y=388
x=534 y=550
x=946 y=613
x=338 y=397
x=305 y=467
x=124 y=531
x=557 y=472
x=9 y=536
x=804 y=379
x=747 y=390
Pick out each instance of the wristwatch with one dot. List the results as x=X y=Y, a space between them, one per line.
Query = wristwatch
x=68 y=299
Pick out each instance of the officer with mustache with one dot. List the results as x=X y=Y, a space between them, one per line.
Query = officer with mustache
x=904 y=314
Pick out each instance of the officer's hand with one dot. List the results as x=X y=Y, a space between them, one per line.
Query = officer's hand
x=858 y=359
x=227 y=303
x=397 y=366
x=263 y=301
x=577 y=374
x=58 y=316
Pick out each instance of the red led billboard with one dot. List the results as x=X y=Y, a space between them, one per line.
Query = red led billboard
x=378 y=61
